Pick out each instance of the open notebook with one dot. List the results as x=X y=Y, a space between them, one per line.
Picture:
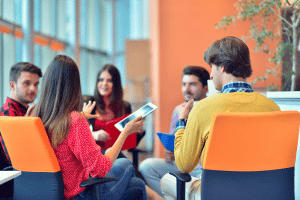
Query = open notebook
x=167 y=140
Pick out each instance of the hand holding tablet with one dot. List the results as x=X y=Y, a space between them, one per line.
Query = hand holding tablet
x=143 y=111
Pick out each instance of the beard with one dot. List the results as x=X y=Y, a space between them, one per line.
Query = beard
x=26 y=98
x=196 y=96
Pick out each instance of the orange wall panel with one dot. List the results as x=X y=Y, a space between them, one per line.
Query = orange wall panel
x=181 y=31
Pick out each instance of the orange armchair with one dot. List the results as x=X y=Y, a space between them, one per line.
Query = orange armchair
x=30 y=151
x=251 y=156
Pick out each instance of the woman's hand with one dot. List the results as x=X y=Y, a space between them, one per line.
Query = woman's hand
x=185 y=109
x=101 y=135
x=134 y=126
x=141 y=131
x=29 y=112
x=88 y=108
x=131 y=127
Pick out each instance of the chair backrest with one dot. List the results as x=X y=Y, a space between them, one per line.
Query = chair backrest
x=251 y=156
x=253 y=141
x=30 y=151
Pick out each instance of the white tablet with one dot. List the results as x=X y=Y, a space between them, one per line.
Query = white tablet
x=143 y=111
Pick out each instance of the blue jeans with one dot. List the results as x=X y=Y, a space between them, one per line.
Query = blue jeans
x=121 y=189
x=153 y=169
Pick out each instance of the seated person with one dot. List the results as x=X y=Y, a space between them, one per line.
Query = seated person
x=110 y=105
x=194 y=86
x=229 y=59
x=23 y=81
x=77 y=153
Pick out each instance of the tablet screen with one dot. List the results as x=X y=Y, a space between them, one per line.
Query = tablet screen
x=140 y=112
x=143 y=111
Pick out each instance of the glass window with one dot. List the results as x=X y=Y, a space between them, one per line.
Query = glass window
x=19 y=50
x=8 y=10
x=46 y=57
x=135 y=19
x=8 y=54
x=123 y=33
x=103 y=33
x=51 y=18
x=84 y=66
x=93 y=39
x=120 y=62
x=83 y=23
x=46 y=17
x=123 y=24
x=61 y=20
x=37 y=15
x=68 y=50
x=93 y=25
x=1 y=8
x=18 y=12
x=37 y=55
x=109 y=28
x=145 y=19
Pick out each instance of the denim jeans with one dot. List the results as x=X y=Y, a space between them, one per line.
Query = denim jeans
x=124 y=188
x=153 y=169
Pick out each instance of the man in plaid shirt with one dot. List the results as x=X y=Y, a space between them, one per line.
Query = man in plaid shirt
x=24 y=81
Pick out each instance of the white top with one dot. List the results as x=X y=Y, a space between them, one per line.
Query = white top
x=8 y=175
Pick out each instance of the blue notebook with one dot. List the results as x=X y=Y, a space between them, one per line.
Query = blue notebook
x=167 y=140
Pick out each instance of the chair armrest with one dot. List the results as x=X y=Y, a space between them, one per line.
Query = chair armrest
x=184 y=177
x=136 y=150
x=7 y=168
x=181 y=179
x=95 y=180
x=135 y=157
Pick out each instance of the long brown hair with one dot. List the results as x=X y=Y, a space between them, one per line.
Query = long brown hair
x=117 y=103
x=60 y=95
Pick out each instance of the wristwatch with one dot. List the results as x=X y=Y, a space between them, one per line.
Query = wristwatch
x=181 y=122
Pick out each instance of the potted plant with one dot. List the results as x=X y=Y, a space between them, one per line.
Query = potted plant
x=272 y=20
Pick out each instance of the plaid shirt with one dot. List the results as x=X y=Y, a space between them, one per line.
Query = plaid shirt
x=10 y=108
x=237 y=86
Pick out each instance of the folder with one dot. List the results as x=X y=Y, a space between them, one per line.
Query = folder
x=167 y=140
x=114 y=133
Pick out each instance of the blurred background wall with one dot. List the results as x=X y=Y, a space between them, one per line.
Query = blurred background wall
x=150 y=42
